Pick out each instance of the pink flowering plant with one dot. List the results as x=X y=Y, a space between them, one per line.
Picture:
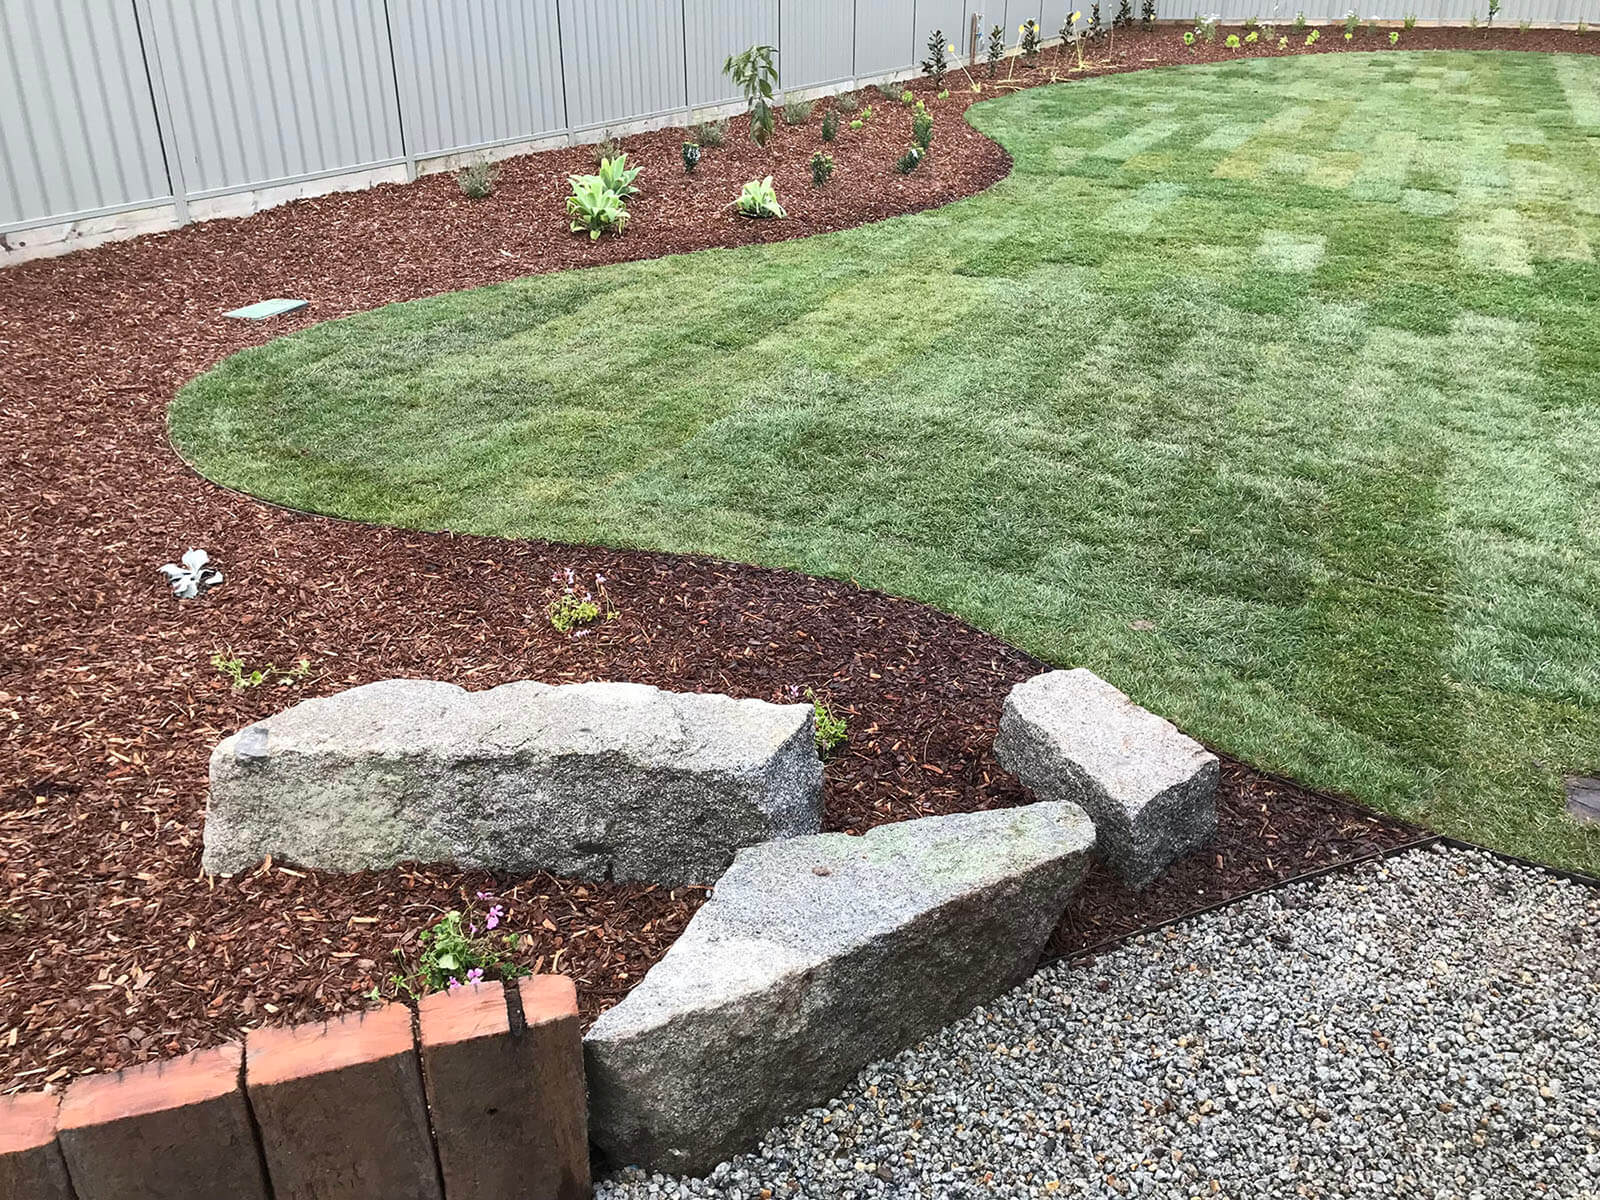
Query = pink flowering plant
x=577 y=603
x=458 y=949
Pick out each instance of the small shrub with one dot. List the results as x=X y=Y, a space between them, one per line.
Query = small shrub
x=888 y=89
x=831 y=728
x=1188 y=38
x=922 y=127
x=691 y=157
x=1029 y=31
x=232 y=669
x=607 y=147
x=1124 y=17
x=1300 y=20
x=1252 y=37
x=756 y=75
x=1147 y=16
x=577 y=604
x=1095 y=31
x=1494 y=11
x=618 y=177
x=1313 y=36
x=476 y=180
x=1524 y=26
x=821 y=168
x=846 y=103
x=908 y=97
x=830 y=125
x=1351 y=20
x=712 y=134
x=1283 y=43
x=1394 y=37
x=1252 y=23
x=944 y=95
x=759 y=199
x=937 y=62
x=910 y=160
x=997 y=48
x=1232 y=41
x=1583 y=28
x=797 y=112
x=594 y=208
x=458 y=949
x=1411 y=20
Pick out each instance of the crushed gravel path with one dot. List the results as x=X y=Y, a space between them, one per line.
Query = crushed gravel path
x=1427 y=1026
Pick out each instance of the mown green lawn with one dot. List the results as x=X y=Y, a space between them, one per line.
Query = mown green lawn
x=1297 y=359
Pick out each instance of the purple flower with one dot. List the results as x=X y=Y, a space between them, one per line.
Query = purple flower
x=599 y=578
x=483 y=895
x=475 y=975
x=493 y=919
x=452 y=984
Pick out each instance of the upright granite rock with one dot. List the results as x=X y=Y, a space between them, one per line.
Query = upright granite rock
x=588 y=780
x=814 y=957
x=1150 y=789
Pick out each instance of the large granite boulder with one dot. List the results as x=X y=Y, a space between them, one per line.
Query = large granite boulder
x=587 y=780
x=1150 y=789
x=814 y=957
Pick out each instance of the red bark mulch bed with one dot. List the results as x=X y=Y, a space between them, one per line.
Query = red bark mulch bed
x=113 y=947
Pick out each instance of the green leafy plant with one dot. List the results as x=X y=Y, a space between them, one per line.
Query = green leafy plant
x=594 y=208
x=1348 y=35
x=831 y=729
x=1029 y=43
x=908 y=97
x=578 y=603
x=1188 y=38
x=997 y=48
x=1300 y=20
x=233 y=670
x=821 y=168
x=830 y=125
x=759 y=199
x=1283 y=43
x=711 y=134
x=476 y=180
x=1124 y=17
x=1232 y=41
x=1147 y=15
x=1313 y=37
x=937 y=62
x=618 y=177
x=1494 y=11
x=922 y=127
x=456 y=950
x=1524 y=26
x=888 y=89
x=943 y=95
x=1583 y=28
x=1252 y=23
x=1096 y=32
x=606 y=147
x=1252 y=37
x=1351 y=20
x=797 y=112
x=691 y=157
x=1472 y=20
x=846 y=103
x=1410 y=21
x=910 y=160
x=1394 y=37
x=756 y=75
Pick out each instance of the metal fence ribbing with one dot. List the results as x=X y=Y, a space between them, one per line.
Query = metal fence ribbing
x=110 y=105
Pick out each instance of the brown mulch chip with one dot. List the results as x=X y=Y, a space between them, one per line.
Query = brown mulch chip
x=114 y=948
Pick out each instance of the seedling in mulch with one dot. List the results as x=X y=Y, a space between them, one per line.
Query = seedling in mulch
x=691 y=157
x=458 y=949
x=922 y=127
x=831 y=729
x=606 y=147
x=711 y=134
x=232 y=669
x=476 y=180
x=577 y=604
x=938 y=61
x=821 y=168
x=194 y=577
x=910 y=160
x=830 y=126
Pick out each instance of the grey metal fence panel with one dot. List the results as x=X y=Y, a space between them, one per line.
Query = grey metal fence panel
x=476 y=74
x=714 y=29
x=886 y=30
x=949 y=17
x=818 y=42
x=78 y=130
x=1053 y=12
x=623 y=60
x=268 y=93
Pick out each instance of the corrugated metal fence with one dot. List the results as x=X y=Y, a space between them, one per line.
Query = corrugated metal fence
x=109 y=105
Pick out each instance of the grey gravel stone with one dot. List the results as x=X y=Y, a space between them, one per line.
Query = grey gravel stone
x=814 y=956
x=1150 y=789
x=1431 y=1030
x=588 y=780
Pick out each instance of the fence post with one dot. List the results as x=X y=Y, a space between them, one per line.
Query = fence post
x=165 y=129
